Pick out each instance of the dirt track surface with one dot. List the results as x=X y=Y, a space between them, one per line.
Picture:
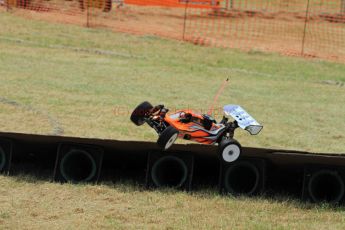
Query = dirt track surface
x=319 y=35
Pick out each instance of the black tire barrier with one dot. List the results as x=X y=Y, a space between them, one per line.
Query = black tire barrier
x=78 y=166
x=6 y=155
x=2 y=159
x=326 y=186
x=278 y=170
x=241 y=178
x=169 y=171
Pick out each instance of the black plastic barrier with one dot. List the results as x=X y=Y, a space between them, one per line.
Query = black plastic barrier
x=3 y=159
x=324 y=184
x=5 y=155
x=78 y=163
x=168 y=169
x=312 y=176
x=243 y=177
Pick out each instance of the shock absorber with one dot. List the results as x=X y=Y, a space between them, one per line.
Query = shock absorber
x=231 y=126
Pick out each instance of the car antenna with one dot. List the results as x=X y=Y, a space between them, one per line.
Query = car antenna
x=220 y=90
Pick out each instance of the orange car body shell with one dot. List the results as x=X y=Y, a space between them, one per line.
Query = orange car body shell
x=194 y=130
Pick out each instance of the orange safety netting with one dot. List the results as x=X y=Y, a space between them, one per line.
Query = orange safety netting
x=297 y=27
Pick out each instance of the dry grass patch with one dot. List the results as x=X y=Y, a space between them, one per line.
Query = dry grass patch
x=42 y=205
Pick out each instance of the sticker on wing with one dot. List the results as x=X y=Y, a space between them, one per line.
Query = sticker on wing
x=244 y=120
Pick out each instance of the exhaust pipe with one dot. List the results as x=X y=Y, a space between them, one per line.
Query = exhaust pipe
x=326 y=186
x=78 y=166
x=2 y=159
x=169 y=171
x=241 y=178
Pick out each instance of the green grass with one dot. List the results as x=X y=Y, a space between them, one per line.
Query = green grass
x=42 y=205
x=80 y=76
x=90 y=80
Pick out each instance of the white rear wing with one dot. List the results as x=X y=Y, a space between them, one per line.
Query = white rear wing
x=244 y=120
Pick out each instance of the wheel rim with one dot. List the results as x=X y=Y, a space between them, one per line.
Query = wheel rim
x=171 y=141
x=231 y=153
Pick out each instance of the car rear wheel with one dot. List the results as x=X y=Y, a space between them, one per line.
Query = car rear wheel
x=229 y=150
x=140 y=112
x=167 y=138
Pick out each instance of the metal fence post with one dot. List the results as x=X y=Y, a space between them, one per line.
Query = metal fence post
x=305 y=26
x=185 y=20
x=87 y=13
x=7 y=4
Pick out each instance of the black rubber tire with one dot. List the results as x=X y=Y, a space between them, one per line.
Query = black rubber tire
x=169 y=171
x=167 y=137
x=72 y=168
x=139 y=113
x=242 y=178
x=232 y=155
x=321 y=184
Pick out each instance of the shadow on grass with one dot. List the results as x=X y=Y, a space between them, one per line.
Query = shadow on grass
x=37 y=176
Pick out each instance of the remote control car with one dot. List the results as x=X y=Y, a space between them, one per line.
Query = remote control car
x=201 y=128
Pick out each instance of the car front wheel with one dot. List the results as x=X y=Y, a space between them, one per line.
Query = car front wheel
x=167 y=138
x=140 y=112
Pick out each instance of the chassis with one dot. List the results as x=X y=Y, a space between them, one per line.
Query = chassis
x=201 y=128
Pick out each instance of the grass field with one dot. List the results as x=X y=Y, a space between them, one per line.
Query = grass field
x=27 y=204
x=89 y=80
